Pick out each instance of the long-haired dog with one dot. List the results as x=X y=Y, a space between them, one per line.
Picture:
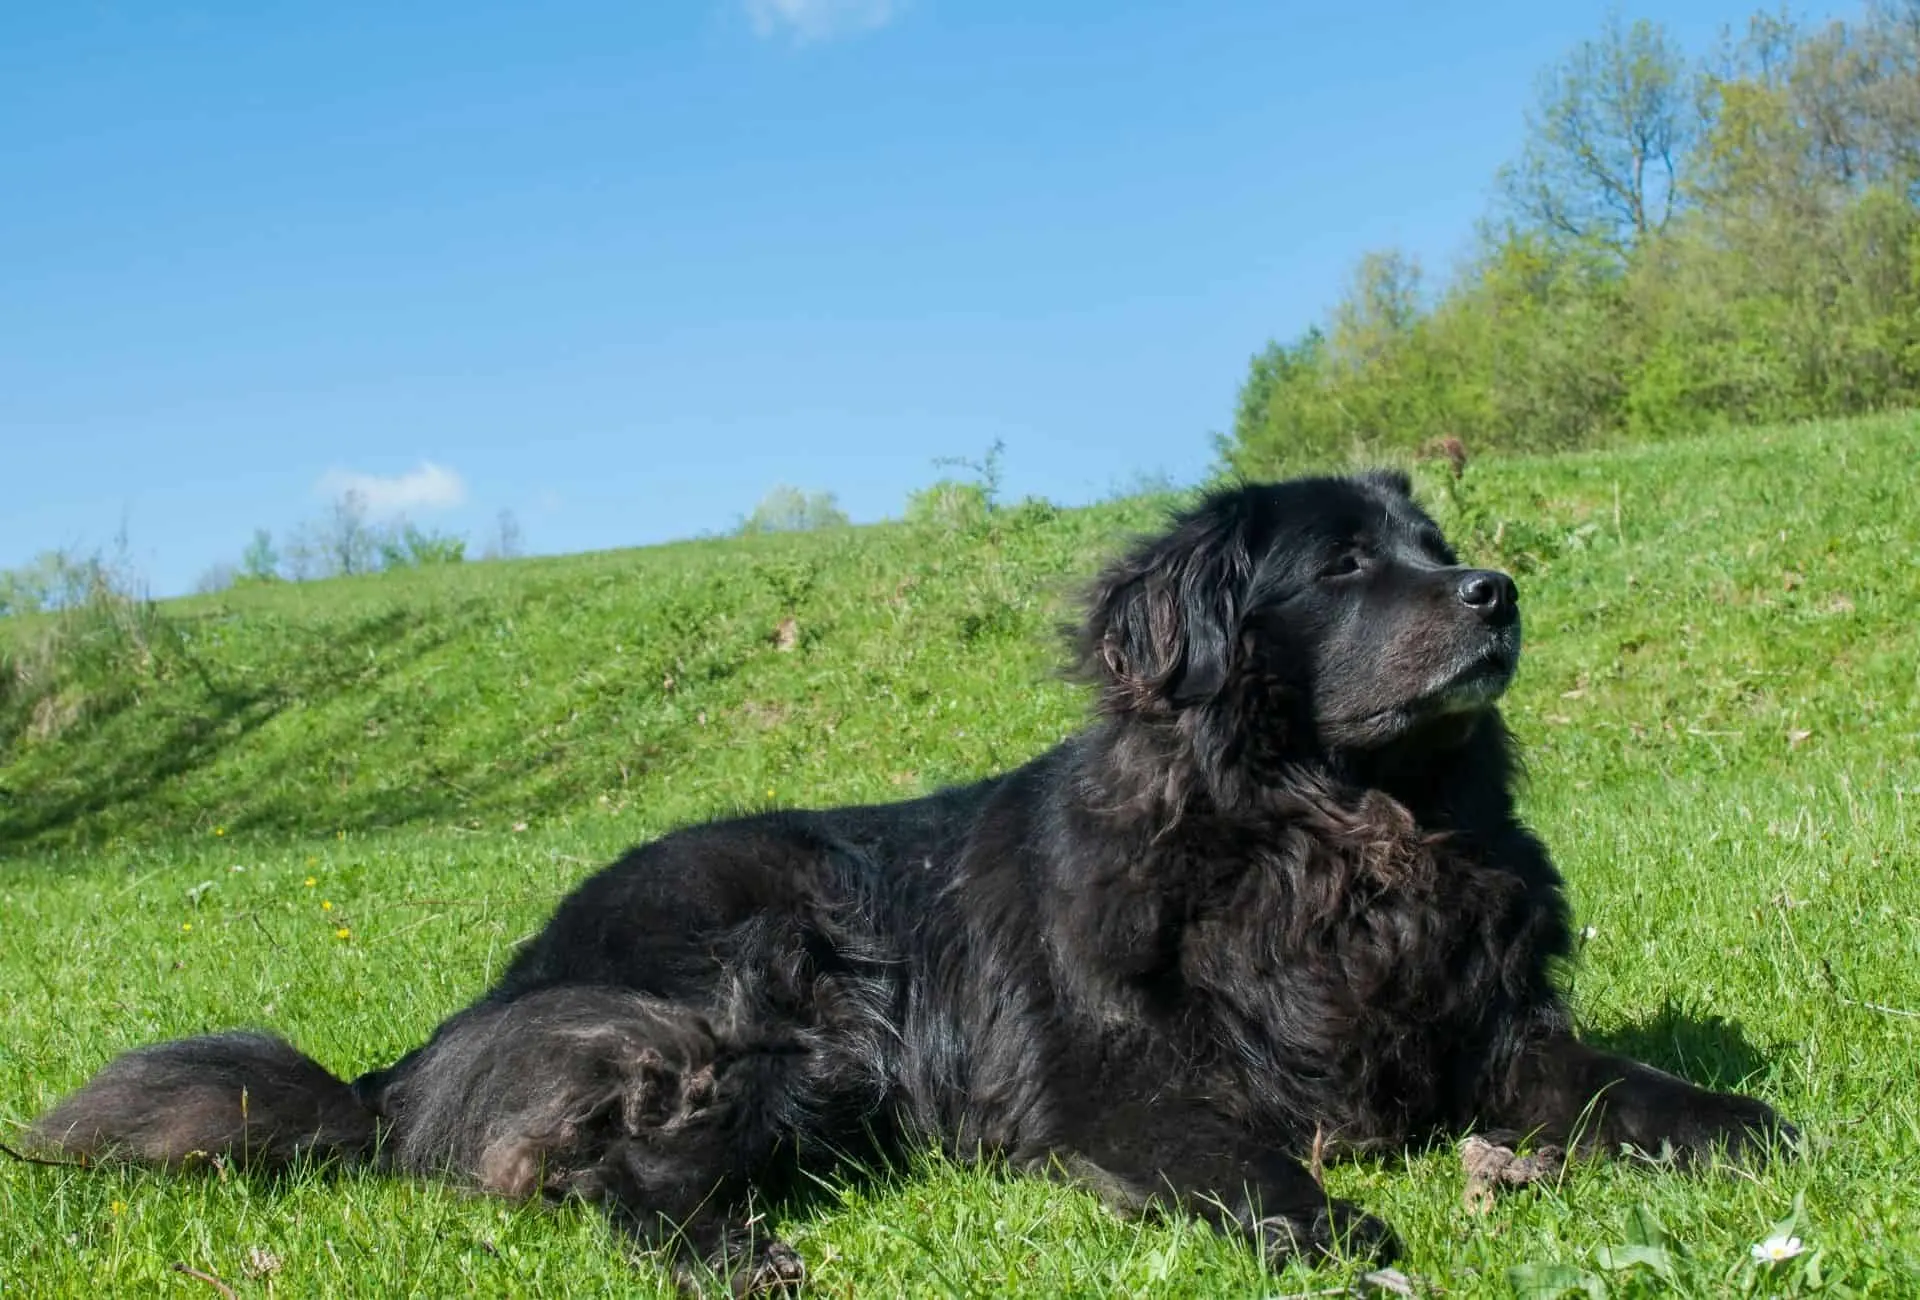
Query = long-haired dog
x=1276 y=890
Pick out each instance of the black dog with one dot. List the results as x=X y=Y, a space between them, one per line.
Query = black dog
x=1277 y=891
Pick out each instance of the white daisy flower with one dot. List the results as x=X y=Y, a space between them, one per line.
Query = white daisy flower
x=1775 y=1249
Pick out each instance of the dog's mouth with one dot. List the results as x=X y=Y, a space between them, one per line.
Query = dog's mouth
x=1480 y=679
x=1466 y=683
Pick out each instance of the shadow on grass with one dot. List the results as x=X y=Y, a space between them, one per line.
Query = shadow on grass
x=166 y=753
x=1707 y=1050
x=137 y=741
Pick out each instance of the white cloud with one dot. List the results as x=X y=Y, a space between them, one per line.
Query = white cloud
x=812 y=20
x=430 y=487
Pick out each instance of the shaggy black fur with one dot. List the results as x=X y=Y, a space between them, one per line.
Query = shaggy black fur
x=1275 y=893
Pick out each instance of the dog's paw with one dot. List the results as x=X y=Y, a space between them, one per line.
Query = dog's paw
x=1333 y=1230
x=1726 y=1125
x=776 y=1270
x=661 y=1092
x=741 y=1266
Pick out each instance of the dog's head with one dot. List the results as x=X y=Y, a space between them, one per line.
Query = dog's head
x=1327 y=613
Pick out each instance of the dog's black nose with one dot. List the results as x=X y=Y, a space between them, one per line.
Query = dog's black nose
x=1488 y=592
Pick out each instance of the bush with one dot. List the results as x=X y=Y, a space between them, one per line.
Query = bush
x=949 y=504
x=94 y=641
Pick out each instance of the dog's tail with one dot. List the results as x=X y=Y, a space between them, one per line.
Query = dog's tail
x=249 y=1099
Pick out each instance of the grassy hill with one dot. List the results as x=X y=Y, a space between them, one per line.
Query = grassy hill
x=656 y=680
x=334 y=808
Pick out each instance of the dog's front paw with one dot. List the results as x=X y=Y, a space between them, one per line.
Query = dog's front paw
x=1334 y=1229
x=743 y=1264
x=1718 y=1125
x=776 y=1270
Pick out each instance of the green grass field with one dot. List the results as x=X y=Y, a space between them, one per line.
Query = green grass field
x=333 y=810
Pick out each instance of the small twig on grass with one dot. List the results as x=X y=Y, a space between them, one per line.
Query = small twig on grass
x=1317 y=1156
x=1833 y=986
x=264 y=932
x=1888 y=1011
x=208 y=1278
x=454 y=786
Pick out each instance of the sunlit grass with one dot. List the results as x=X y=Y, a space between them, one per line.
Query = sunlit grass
x=1720 y=704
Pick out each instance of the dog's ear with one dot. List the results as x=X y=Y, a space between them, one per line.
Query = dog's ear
x=1395 y=481
x=1162 y=623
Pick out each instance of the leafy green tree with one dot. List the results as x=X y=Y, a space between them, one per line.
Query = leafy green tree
x=1285 y=413
x=1607 y=141
x=345 y=542
x=260 y=562
x=56 y=579
x=1676 y=247
x=403 y=546
x=28 y=589
x=790 y=510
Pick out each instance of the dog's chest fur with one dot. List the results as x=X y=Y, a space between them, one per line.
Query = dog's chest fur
x=1337 y=959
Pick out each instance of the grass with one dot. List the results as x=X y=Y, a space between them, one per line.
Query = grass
x=334 y=809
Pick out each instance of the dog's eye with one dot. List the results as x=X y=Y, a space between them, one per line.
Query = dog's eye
x=1343 y=565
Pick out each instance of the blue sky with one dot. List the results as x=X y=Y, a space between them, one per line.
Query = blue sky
x=623 y=267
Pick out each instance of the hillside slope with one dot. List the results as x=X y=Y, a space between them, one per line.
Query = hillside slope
x=1723 y=593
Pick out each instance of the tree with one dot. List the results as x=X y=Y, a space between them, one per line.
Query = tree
x=1382 y=306
x=505 y=543
x=350 y=544
x=58 y=579
x=1675 y=248
x=345 y=543
x=1608 y=140
x=28 y=589
x=338 y=546
x=1837 y=109
x=789 y=510
x=260 y=562
x=1893 y=49
x=1281 y=409
x=403 y=546
x=216 y=578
